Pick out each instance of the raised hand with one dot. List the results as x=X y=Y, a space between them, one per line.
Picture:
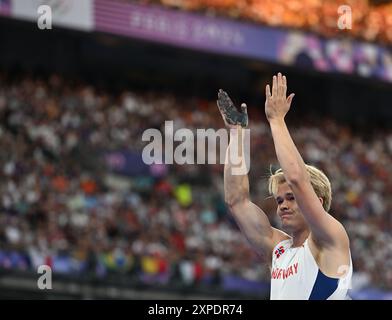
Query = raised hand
x=277 y=105
x=231 y=116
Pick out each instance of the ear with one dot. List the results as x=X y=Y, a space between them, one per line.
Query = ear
x=321 y=200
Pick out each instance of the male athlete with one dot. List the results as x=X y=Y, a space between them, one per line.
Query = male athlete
x=312 y=261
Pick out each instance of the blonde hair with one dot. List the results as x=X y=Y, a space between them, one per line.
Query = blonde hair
x=318 y=180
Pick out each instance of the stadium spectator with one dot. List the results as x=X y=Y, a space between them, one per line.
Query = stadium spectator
x=62 y=204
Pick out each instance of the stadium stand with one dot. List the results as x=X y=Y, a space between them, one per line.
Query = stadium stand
x=76 y=195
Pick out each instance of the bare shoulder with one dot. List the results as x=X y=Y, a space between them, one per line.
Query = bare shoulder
x=257 y=229
x=279 y=236
x=339 y=238
x=334 y=257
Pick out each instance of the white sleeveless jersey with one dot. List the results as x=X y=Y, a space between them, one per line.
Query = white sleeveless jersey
x=295 y=275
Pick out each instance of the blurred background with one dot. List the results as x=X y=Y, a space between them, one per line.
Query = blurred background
x=76 y=99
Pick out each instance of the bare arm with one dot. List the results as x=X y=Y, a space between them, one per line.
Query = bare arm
x=252 y=221
x=325 y=229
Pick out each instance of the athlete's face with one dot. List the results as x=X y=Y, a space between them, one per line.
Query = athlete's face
x=287 y=210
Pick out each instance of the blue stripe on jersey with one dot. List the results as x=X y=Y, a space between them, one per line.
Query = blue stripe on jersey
x=323 y=287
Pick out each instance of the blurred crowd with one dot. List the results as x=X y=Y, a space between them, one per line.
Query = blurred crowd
x=61 y=204
x=369 y=22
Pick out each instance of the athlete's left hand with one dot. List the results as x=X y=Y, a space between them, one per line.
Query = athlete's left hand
x=277 y=105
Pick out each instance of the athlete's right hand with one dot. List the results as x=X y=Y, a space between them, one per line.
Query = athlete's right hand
x=231 y=116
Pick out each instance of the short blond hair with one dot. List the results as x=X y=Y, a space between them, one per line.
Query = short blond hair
x=319 y=181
